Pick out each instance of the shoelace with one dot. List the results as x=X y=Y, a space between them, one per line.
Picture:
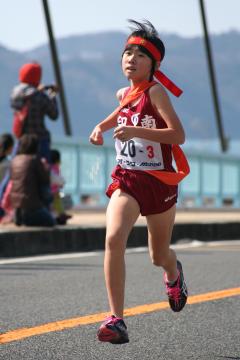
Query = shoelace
x=111 y=319
x=174 y=292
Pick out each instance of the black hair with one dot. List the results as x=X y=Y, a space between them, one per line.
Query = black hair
x=6 y=142
x=146 y=31
x=55 y=156
x=28 y=144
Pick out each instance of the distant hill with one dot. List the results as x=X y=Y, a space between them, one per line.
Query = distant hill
x=92 y=74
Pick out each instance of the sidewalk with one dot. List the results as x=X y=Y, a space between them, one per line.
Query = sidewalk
x=93 y=218
x=86 y=232
x=85 y=218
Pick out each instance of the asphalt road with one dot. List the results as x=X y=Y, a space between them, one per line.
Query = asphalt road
x=47 y=290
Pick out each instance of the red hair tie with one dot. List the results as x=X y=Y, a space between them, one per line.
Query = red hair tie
x=164 y=80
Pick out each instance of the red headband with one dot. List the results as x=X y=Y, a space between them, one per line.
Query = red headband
x=162 y=78
x=136 y=40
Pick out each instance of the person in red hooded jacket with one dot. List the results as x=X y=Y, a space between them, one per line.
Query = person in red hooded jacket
x=41 y=101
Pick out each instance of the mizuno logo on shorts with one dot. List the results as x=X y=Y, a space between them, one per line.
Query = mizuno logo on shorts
x=170 y=198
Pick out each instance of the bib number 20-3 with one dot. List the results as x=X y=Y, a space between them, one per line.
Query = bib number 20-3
x=140 y=154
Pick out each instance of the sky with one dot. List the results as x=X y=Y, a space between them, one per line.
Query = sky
x=23 y=27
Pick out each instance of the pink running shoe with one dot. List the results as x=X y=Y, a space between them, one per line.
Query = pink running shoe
x=113 y=330
x=177 y=293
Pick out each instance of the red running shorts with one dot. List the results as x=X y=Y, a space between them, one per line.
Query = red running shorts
x=152 y=195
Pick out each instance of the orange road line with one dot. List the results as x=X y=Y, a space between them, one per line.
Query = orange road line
x=22 y=333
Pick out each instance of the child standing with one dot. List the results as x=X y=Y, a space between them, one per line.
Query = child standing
x=57 y=183
x=147 y=133
x=6 y=148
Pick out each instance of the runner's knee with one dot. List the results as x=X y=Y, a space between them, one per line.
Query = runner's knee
x=115 y=242
x=160 y=258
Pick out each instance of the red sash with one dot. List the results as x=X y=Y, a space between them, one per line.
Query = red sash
x=183 y=169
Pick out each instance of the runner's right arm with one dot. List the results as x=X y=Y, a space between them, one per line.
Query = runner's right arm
x=110 y=122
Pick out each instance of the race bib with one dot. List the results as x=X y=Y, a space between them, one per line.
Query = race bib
x=139 y=154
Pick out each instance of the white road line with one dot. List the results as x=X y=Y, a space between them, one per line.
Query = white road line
x=187 y=245
x=49 y=257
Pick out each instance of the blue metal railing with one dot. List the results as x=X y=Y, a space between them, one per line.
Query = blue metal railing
x=214 y=181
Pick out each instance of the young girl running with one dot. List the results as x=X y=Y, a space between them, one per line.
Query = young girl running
x=147 y=133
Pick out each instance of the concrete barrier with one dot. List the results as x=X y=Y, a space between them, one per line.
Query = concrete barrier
x=62 y=239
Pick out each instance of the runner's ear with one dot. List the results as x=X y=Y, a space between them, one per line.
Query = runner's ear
x=157 y=65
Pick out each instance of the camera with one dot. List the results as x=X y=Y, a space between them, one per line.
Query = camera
x=51 y=87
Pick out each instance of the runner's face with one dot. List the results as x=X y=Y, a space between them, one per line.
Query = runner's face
x=136 y=65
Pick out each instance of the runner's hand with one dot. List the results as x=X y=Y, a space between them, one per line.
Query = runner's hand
x=123 y=133
x=96 y=137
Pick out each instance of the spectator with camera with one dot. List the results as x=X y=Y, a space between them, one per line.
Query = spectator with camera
x=33 y=101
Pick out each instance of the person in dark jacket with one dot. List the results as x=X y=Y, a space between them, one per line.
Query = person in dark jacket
x=41 y=101
x=30 y=175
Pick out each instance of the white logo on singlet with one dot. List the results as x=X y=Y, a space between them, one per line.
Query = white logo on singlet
x=121 y=120
x=148 y=122
x=134 y=119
